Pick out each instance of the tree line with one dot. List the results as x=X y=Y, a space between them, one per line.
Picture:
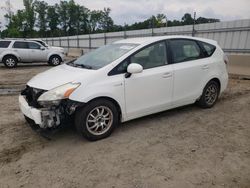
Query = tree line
x=39 y=19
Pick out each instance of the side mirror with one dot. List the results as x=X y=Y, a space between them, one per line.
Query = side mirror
x=134 y=68
x=42 y=48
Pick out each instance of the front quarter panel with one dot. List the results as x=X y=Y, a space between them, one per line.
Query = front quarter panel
x=55 y=53
x=105 y=86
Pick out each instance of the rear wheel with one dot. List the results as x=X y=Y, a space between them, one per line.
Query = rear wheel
x=97 y=120
x=210 y=95
x=55 y=60
x=10 y=61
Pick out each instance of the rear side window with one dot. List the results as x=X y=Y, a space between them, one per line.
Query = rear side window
x=185 y=50
x=208 y=48
x=4 y=44
x=22 y=45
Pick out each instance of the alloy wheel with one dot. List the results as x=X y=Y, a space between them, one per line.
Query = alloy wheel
x=211 y=94
x=10 y=62
x=99 y=120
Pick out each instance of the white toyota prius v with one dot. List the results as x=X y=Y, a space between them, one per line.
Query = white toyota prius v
x=125 y=80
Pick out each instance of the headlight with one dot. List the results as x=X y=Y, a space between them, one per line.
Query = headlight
x=59 y=93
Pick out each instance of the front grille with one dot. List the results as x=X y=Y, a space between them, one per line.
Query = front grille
x=31 y=95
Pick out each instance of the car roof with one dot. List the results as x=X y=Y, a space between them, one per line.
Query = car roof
x=148 y=40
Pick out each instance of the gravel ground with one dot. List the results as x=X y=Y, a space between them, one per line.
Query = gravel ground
x=184 y=147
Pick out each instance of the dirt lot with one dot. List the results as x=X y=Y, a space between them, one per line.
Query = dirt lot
x=185 y=147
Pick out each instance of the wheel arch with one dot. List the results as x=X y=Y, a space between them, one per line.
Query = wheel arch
x=215 y=79
x=54 y=54
x=117 y=105
x=13 y=55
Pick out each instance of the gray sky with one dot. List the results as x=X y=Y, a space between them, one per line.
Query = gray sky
x=130 y=11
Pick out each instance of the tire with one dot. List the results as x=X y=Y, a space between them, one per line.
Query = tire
x=55 y=60
x=10 y=61
x=210 y=95
x=97 y=120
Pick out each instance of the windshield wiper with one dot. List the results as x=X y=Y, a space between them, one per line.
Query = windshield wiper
x=83 y=66
x=71 y=63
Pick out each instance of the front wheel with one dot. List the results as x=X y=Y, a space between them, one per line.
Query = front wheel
x=55 y=60
x=97 y=120
x=210 y=95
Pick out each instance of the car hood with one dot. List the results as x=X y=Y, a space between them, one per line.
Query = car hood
x=56 y=48
x=58 y=76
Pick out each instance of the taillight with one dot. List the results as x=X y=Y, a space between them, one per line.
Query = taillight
x=226 y=60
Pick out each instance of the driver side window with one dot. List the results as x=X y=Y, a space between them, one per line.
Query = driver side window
x=33 y=45
x=153 y=56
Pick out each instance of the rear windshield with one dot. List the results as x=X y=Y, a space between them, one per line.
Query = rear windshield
x=4 y=44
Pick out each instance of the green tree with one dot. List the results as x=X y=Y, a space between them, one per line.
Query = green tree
x=73 y=12
x=15 y=28
x=41 y=8
x=187 y=19
x=201 y=20
x=63 y=16
x=53 y=18
x=83 y=20
x=94 y=20
x=30 y=17
x=106 y=22
x=161 y=20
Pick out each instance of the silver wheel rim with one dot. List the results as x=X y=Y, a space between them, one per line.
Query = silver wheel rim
x=10 y=62
x=55 y=61
x=99 y=120
x=211 y=94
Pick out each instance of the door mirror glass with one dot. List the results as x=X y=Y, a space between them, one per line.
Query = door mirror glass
x=134 y=68
x=42 y=48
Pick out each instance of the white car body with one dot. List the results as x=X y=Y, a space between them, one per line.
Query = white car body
x=42 y=54
x=153 y=90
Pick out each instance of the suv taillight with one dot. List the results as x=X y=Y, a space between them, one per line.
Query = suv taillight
x=226 y=60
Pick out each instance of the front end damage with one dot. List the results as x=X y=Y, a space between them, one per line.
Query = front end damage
x=52 y=114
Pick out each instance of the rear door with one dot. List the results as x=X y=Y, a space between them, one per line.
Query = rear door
x=22 y=49
x=190 y=69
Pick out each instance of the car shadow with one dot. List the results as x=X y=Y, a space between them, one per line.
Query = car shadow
x=69 y=132
x=27 y=65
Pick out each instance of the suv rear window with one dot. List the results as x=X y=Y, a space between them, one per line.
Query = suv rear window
x=4 y=44
x=209 y=48
x=23 y=45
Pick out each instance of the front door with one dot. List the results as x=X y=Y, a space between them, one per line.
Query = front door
x=36 y=53
x=151 y=90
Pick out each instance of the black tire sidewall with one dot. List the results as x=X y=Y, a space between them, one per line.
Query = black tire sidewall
x=81 y=116
x=202 y=102
x=51 y=58
x=12 y=57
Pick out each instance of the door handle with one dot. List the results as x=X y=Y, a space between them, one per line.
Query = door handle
x=204 y=67
x=167 y=75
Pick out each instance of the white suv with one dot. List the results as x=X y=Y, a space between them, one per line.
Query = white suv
x=14 y=51
x=126 y=80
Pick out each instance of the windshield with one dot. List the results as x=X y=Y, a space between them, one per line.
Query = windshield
x=104 y=55
x=42 y=43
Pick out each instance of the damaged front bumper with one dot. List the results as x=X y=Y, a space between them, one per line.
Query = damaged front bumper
x=50 y=116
